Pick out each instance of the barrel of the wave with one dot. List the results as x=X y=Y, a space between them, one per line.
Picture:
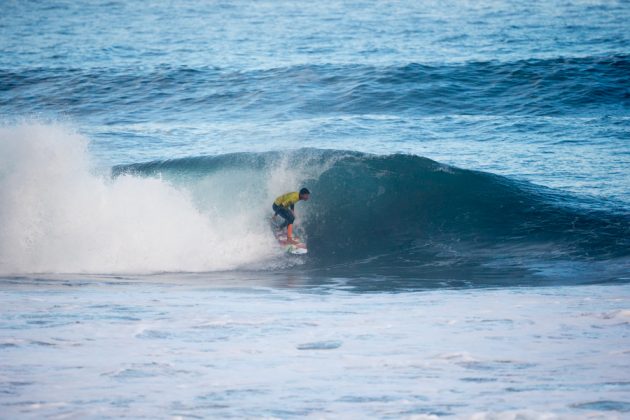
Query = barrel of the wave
x=284 y=206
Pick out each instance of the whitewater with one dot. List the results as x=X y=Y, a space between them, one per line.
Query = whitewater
x=61 y=215
x=468 y=228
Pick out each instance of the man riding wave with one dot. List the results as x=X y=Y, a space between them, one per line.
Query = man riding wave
x=285 y=207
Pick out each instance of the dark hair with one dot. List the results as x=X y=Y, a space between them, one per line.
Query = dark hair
x=304 y=191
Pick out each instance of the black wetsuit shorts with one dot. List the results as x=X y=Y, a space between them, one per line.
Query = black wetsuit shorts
x=285 y=213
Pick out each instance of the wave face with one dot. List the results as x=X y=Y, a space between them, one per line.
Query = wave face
x=408 y=216
x=586 y=86
x=403 y=214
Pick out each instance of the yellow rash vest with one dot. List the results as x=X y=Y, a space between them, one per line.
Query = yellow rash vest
x=287 y=200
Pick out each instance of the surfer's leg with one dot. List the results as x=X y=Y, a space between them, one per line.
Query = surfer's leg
x=287 y=215
x=275 y=211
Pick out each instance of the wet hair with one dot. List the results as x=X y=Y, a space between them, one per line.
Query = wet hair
x=305 y=191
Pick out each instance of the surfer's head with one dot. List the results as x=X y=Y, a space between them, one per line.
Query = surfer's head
x=304 y=194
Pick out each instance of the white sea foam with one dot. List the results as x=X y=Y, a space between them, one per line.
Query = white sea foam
x=187 y=348
x=60 y=215
x=514 y=415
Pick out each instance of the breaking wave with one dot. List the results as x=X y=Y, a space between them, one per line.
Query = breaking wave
x=404 y=215
x=369 y=215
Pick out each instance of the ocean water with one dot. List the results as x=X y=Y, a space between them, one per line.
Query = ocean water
x=468 y=229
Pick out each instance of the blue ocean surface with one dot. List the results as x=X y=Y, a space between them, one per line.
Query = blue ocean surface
x=457 y=153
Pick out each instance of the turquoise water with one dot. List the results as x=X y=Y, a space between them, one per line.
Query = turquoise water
x=459 y=154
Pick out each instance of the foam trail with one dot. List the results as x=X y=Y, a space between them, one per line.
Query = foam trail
x=59 y=215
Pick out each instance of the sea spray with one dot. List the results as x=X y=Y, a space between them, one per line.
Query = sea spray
x=60 y=215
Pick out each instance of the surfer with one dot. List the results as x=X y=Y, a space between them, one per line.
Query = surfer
x=284 y=206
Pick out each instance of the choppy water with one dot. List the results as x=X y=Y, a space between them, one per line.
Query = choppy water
x=447 y=145
x=277 y=347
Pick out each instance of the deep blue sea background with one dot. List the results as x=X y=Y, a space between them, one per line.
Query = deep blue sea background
x=468 y=228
